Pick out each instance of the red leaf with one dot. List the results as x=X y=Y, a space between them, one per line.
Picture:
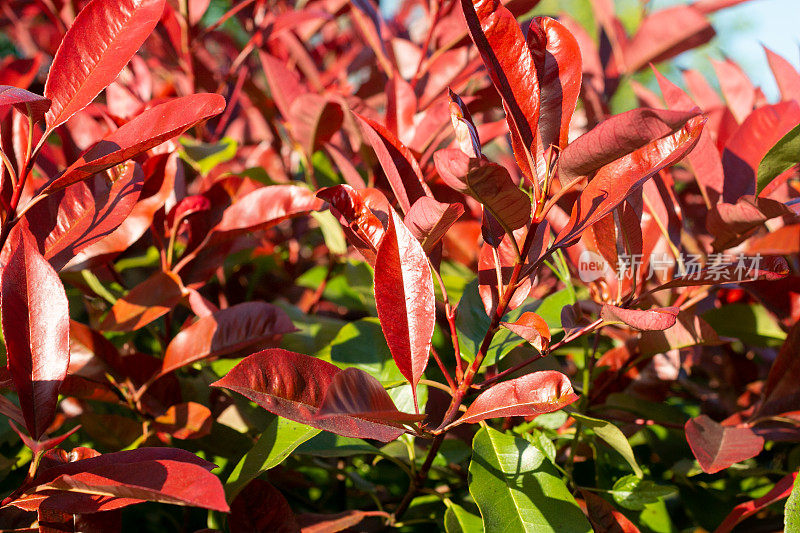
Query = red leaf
x=102 y=39
x=617 y=137
x=398 y=163
x=614 y=182
x=314 y=120
x=557 y=57
x=68 y=221
x=146 y=302
x=781 y=490
x=532 y=328
x=511 y=68
x=688 y=330
x=261 y=507
x=225 y=332
x=717 y=447
x=665 y=34
x=744 y=270
x=657 y=319
x=188 y=420
x=467 y=136
x=357 y=213
x=35 y=319
x=20 y=98
x=604 y=517
x=355 y=393
x=739 y=92
x=781 y=393
x=293 y=386
x=786 y=76
x=266 y=207
x=534 y=394
x=428 y=220
x=487 y=182
x=333 y=523
x=284 y=86
x=146 y=131
x=405 y=300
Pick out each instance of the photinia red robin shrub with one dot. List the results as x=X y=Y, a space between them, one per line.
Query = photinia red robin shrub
x=463 y=266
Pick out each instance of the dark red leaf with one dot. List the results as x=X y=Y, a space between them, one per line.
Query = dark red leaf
x=781 y=394
x=428 y=220
x=617 y=137
x=532 y=328
x=534 y=394
x=657 y=319
x=147 y=130
x=39 y=446
x=732 y=224
x=22 y=99
x=405 y=300
x=357 y=213
x=226 y=331
x=355 y=393
x=266 y=207
x=781 y=490
x=688 y=330
x=146 y=302
x=614 y=182
x=102 y=39
x=512 y=70
x=604 y=517
x=717 y=447
x=293 y=386
x=35 y=319
x=261 y=507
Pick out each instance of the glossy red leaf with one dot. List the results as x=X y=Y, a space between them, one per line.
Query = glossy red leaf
x=717 y=447
x=35 y=319
x=557 y=57
x=266 y=207
x=188 y=420
x=68 y=221
x=781 y=490
x=225 y=332
x=428 y=220
x=487 y=182
x=146 y=302
x=22 y=99
x=617 y=137
x=534 y=394
x=102 y=39
x=511 y=67
x=666 y=33
x=261 y=507
x=532 y=328
x=145 y=131
x=405 y=300
x=614 y=182
x=656 y=319
x=293 y=386
x=398 y=163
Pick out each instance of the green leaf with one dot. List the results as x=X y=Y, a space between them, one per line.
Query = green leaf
x=635 y=493
x=517 y=489
x=330 y=445
x=791 y=514
x=205 y=156
x=459 y=520
x=280 y=439
x=612 y=435
x=780 y=158
x=331 y=232
x=752 y=324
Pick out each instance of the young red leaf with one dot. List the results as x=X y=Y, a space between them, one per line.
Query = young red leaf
x=188 y=420
x=617 y=137
x=511 y=67
x=717 y=447
x=428 y=220
x=781 y=490
x=739 y=92
x=293 y=386
x=357 y=213
x=398 y=163
x=657 y=319
x=786 y=76
x=405 y=300
x=614 y=182
x=226 y=331
x=467 y=136
x=355 y=393
x=487 y=182
x=532 y=328
x=534 y=394
x=266 y=207
x=102 y=39
x=66 y=222
x=146 y=302
x=22 y=99
x=35 y=319
x=557 y=57
x=147 y=130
